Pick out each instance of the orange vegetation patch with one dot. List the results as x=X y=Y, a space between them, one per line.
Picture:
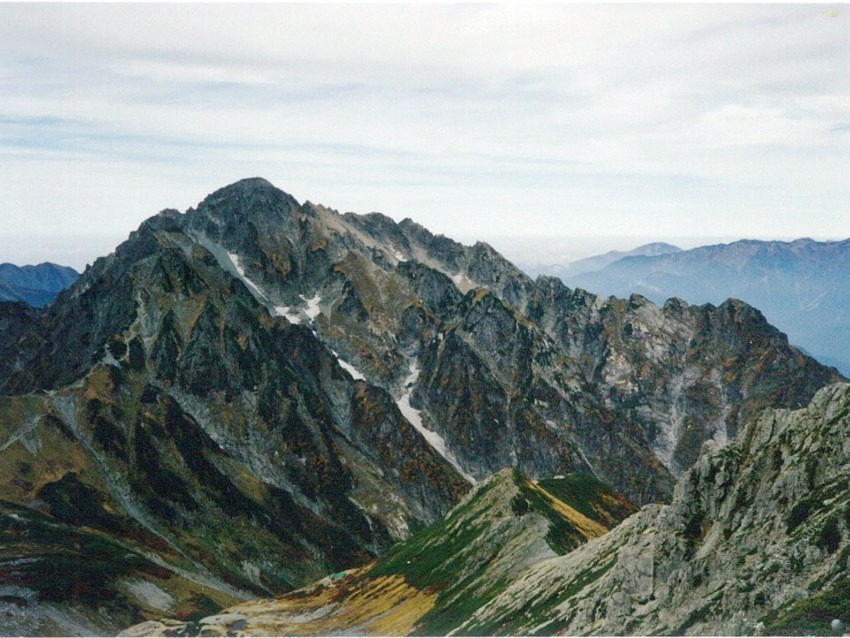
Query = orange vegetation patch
x=385 y=606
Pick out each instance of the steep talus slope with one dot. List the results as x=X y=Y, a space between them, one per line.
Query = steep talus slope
x=431 y=583
x=757 y=539
x=54 y=573
x=258 y=392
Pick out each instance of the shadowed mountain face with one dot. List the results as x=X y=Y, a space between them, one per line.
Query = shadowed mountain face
x=803 y=286
x=258 y=392
x=34 y=285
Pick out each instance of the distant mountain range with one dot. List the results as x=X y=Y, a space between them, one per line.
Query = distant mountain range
x=596 y=262
x=802 y=286
x=34 y=285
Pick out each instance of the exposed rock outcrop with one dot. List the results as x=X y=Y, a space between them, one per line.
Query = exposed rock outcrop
x=756 y=540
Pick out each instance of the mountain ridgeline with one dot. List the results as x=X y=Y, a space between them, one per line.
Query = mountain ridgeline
x=802 y=286
x=256 y=393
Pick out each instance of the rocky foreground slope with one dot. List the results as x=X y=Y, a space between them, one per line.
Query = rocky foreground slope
x=756 y=541
x=258 y=392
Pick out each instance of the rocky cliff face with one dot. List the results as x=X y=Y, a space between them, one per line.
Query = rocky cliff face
x=258 y=392
x=226 y=443
x=756 y=540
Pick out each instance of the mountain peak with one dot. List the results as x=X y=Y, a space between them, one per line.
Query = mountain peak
x=251 y=183
x=251 y=187
x=275 y=391
x=227 y=211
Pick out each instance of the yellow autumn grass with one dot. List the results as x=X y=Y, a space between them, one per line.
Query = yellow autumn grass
x=588 y=527
x=384 y=606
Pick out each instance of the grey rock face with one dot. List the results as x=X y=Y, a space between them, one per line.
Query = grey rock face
x=755 y=540
x=559 y=380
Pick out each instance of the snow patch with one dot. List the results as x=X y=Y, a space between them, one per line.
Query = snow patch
x=233 y=264
x=354 y=372
x=397 y=254
x=291 y=314
x=240 y=271
x=312 y=311
x=414 y=416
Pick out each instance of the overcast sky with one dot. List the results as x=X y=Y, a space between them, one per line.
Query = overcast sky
x=657 y=121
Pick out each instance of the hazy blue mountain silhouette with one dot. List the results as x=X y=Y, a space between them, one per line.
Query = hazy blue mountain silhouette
x=34 y=285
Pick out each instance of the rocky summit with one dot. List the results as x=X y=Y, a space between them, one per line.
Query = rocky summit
x=255 y=393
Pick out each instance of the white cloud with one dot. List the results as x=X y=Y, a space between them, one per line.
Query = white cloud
x=754 y=125
x=681 y=118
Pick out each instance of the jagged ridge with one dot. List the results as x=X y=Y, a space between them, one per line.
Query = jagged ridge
x=324 y=383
